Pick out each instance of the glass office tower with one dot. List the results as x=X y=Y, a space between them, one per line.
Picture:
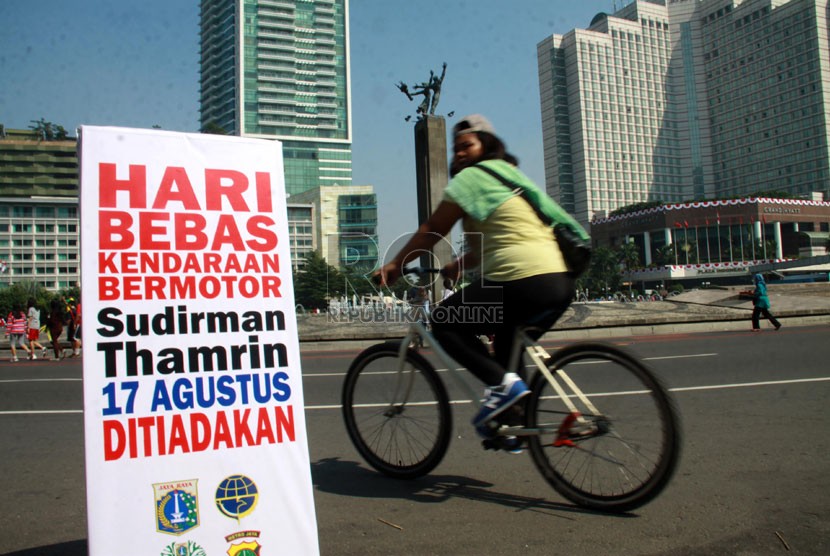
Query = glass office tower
x=279 y=69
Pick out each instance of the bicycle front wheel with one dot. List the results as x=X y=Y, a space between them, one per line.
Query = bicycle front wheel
x=614 y=446
x=397 y=413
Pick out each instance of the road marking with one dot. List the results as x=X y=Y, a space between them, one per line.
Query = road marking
x=444 y=370
x=680 y=356
x=319 y=375
x=461 y=402
x=43 y=412
x=750 y=384
x=640 y=392
x=41 y=380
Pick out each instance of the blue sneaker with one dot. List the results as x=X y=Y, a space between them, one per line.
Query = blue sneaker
x=496 y=400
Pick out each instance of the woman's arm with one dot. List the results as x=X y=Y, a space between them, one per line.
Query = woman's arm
x=469 y=260
x=439 y=225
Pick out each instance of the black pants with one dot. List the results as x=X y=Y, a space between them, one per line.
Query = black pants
x=498 y=308
x=757 y=312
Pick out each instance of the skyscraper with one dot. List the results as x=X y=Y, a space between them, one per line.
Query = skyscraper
x=279 y=69
x=686 y=100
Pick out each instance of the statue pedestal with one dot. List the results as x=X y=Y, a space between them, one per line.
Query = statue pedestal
x=432 y=177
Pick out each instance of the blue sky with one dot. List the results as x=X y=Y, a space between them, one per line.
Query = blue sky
x=135 y=64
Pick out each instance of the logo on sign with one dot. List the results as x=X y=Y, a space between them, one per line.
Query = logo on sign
x=246 y=548
x=236 y=496
x=188 y=548
x=176 y=507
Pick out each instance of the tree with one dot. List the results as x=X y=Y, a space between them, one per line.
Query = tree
x=635 y=207
x=17 y=296
x=664 y=256
x=316 y=282
x=49 y=131
x=604 y=272
x=212 y=128
x=629 y=256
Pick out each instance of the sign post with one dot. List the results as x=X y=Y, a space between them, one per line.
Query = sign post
x=193 y=405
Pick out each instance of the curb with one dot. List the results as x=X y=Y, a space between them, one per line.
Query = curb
x=599 y=332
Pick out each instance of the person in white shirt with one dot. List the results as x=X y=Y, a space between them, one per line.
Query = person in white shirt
x=33 y=314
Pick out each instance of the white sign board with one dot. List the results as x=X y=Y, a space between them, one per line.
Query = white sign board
x=193 y=404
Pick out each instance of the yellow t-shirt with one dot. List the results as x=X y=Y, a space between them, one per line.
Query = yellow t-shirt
x=514 y=243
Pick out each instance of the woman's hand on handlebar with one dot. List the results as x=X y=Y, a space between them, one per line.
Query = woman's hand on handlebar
x=388 y=274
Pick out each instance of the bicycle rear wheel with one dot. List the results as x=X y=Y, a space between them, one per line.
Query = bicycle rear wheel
x=398 y=419
x=616 y=451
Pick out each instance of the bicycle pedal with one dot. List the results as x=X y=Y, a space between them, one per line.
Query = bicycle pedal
x=490 y=444
x=512 y=444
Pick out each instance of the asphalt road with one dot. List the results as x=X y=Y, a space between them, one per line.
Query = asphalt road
x=754 y=477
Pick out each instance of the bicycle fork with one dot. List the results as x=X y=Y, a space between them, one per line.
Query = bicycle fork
x=403 y=386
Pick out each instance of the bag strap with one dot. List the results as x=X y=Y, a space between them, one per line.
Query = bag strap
x=520 y=190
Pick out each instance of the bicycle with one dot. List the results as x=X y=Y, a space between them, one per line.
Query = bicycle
x=599 y=425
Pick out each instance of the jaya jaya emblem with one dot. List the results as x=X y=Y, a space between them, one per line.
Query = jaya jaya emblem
x=176 y=506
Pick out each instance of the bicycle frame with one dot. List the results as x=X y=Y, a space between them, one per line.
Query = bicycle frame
x=419 y=330
x=522 y=343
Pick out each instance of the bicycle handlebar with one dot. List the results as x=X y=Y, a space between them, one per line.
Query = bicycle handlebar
x=415 y=270
x=423 y=270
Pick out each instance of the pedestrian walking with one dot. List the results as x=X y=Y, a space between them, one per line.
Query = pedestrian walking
x=54 y=325
x=16 y=328
x=760 y=300
x=33 y=315
x=73 y=330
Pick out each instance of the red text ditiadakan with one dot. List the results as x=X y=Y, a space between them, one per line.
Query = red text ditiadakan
x=164 y=435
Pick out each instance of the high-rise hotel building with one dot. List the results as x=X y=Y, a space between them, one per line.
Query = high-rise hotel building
x=676 y=100
x=279 y=69
x=39 y=228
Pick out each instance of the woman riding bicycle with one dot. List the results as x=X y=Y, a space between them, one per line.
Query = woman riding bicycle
x=523 y=274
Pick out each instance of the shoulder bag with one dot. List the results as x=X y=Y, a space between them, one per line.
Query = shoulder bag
x=575 y=250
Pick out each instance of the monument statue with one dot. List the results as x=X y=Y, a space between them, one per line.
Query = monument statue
x=430 y=162
x=422 y=89
x=430 y=90
x=435 y=85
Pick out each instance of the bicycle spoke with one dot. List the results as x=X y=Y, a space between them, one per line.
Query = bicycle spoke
x=397 y=418
x=615 y=460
